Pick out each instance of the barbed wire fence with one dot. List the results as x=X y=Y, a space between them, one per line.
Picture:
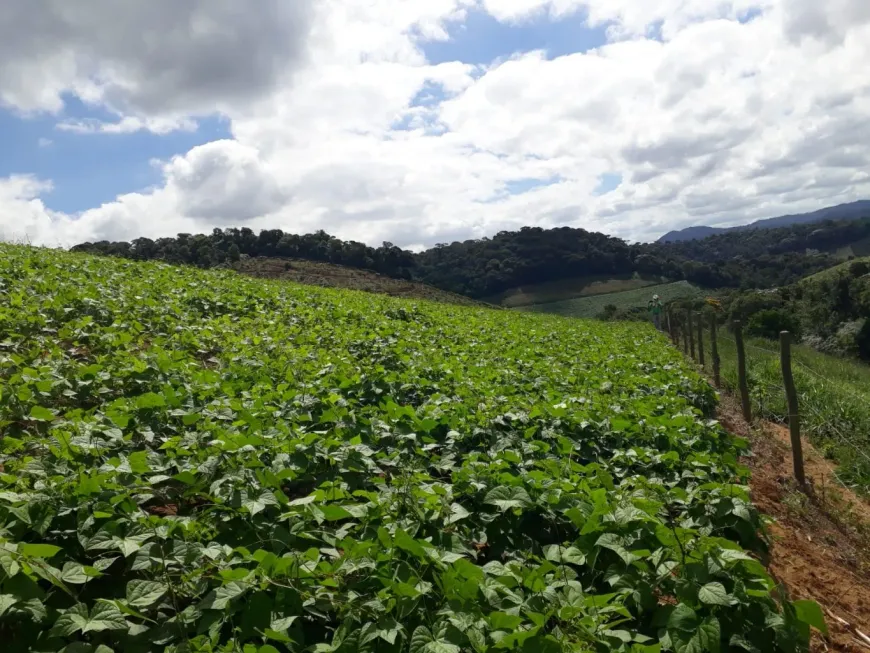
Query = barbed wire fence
x=768 y=398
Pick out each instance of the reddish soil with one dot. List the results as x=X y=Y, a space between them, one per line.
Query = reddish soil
x=821 y=539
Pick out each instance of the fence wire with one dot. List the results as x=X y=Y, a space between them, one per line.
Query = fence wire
x=831 y=429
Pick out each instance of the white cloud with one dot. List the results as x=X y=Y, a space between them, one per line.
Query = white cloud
x=155 y=58
x=831 y=21
x=223 y=183
x=128 y=125
x=737 y=111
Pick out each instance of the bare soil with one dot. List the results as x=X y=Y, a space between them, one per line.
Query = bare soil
x=339 y=276
x=821 y=537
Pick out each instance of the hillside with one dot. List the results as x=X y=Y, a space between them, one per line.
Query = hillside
x=829 y=310
x=329 y=275
x=850 y=211
x=625 y=302
x=201 y=461
x=553 y=291
x=837 y=271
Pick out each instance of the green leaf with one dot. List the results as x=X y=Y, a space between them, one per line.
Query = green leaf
x=420 y=638
x=714 y=594
x=388 y=630
x=39 y=550
x=571 y=555
x=150 y=400
x=139 y=462
x=409 y=544
x=6 y=602
x=504 y=621
x=507 y=498
x=41 y=414
x=225 y=594
x=709 y=636
x=457 y=512
x=334 y=513
x=441 y=646
x=683 y=618
x=405 y=589
x=74 y=573
x=105 y=616
x=49 y=573
x=190 y=419
x=71 y=621
x=283 y=623
x=616 y=544
x=142 y=593
x=129 y=545
x=810 y=613
x=277 y=636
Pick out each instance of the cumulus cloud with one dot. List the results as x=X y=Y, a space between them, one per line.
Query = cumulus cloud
x=710 y=112
x=155 y=58
x=223 y=183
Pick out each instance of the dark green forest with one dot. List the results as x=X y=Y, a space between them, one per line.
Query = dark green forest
x=762 y=258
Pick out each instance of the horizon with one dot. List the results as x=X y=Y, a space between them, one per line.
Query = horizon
x=420 y=123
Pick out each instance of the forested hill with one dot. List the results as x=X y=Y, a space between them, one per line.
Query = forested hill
x=484 y=267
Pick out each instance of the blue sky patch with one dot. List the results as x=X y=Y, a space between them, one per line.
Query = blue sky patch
x=88 y=170
x=481 y=39
x=520 y=186
x=607 y=183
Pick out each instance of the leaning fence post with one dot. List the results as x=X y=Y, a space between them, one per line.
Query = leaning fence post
x=690 y=328
x=794 y=425
x=701 y=339
x=741 y=371
x=714 y=351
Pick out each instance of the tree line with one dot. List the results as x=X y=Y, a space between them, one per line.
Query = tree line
x=761 y=258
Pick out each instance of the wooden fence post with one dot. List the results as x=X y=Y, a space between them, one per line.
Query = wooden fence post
x=714 y=347
x=794 y=425
x=701 y=339
x=690 y=328
x=741 y=371
x=670 y=327
x=685 y=338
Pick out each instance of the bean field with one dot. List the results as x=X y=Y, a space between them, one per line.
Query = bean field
x=200 y=461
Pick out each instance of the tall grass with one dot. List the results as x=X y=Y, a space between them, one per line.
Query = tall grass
x=833 y=394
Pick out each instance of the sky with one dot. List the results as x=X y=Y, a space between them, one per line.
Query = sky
x=426 y=122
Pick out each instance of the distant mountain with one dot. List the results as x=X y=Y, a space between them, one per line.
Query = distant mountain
x=851 y=211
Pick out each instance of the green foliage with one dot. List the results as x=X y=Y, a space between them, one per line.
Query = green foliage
x=198 y=461
x=771 y=322
x=609 y=313
x=829 y=310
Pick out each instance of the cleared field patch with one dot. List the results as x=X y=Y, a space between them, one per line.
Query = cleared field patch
x=589 y=307
x=834 y=271
x=564 y=289
x=329 y=275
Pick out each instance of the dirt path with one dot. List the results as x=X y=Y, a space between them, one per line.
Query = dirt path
x=821 y=542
